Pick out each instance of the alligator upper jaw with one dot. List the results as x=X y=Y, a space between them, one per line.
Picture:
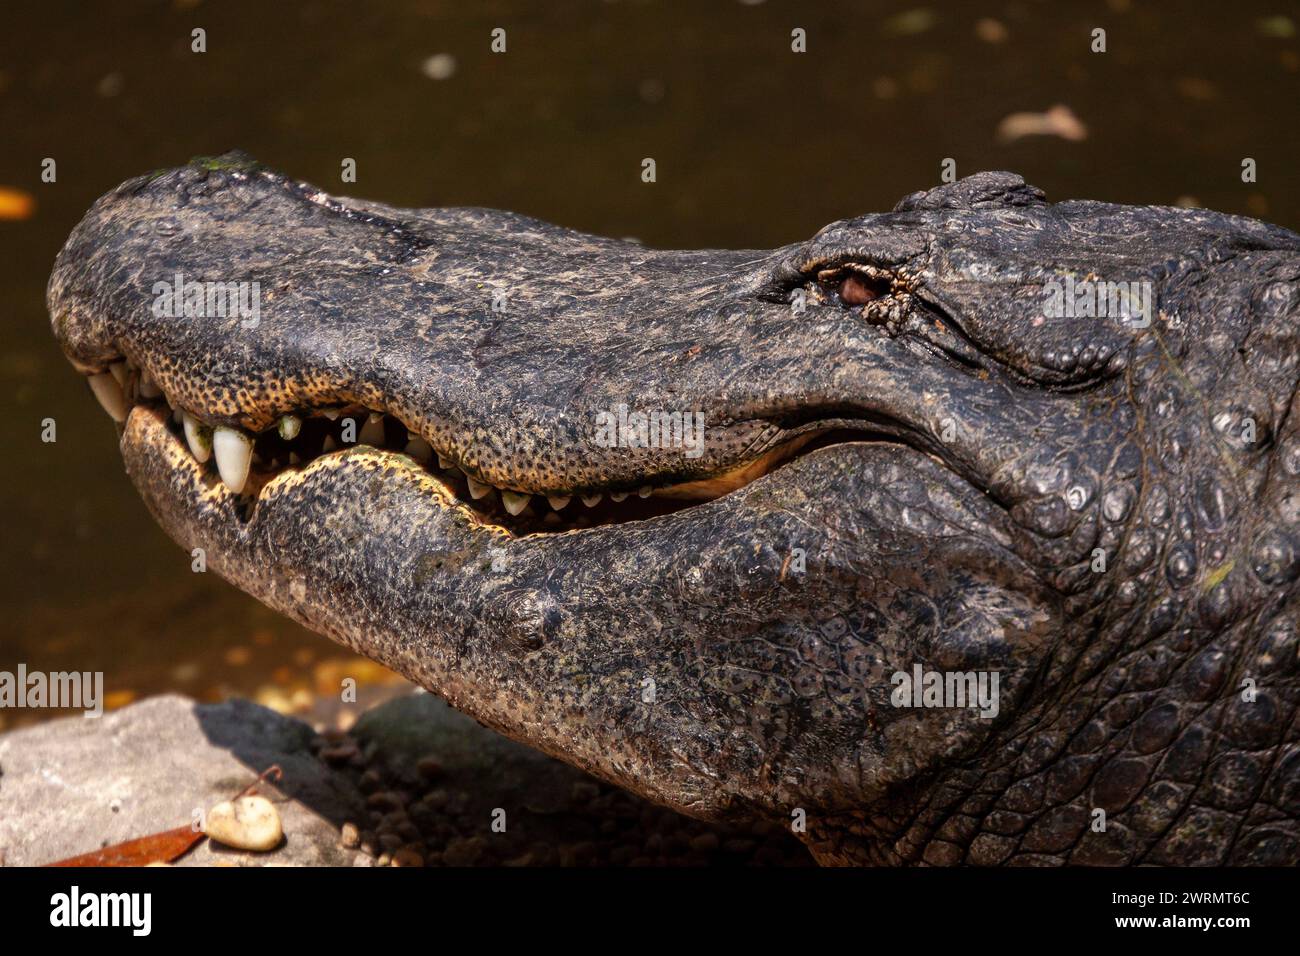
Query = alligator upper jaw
x=391 y=313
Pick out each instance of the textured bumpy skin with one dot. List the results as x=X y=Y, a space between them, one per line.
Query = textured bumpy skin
x=693 y=657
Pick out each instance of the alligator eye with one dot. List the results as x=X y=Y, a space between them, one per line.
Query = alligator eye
x=852 y=288
x=853 y=291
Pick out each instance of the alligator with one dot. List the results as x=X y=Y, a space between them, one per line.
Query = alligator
x=915 y=537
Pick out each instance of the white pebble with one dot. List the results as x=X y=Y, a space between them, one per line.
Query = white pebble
x=249 y=823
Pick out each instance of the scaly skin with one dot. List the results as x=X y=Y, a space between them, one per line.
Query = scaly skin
x=1002 y=452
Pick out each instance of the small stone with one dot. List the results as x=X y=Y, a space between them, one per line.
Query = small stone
x=385 y=800
x=705 y=842
x=350 y=836
x=248 y=823
x=407 y=857
x=384 y=859
x=340 y=754
x=463 y=851
x=429 y=769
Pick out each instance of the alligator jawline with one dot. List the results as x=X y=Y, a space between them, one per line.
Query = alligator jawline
x=327 y=431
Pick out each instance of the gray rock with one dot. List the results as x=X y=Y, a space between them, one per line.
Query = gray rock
x=75 y=785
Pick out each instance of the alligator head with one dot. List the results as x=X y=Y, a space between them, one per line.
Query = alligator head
x=965 y=532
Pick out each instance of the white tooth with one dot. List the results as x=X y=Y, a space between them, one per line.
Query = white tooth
x=551 y=518
x=558 y=502
x=618 y=496
x=197 y=437
x=289 y=427
x=644 y=491
x=148 y=387
x=445 y=463
x=372 y=432
x=110 y=396
x=591 y=500
x=178 y=416
x=329 y=444
x=419 y=449
x=118 y=369
x=332 y=413
x=294 y=459
x=514 y=501
x=476 y=488
x=234 y=452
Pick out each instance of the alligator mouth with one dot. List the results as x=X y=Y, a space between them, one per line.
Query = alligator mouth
x=246 y=463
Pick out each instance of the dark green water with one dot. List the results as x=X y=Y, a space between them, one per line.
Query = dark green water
x=754 y=145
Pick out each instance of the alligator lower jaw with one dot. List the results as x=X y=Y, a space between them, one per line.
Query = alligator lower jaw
x=245 y=467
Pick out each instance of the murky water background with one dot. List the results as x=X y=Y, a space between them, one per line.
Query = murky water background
x=755 y=146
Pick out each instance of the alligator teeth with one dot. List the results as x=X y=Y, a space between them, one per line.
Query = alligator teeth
x=329 y=444
x=294 y=459
x=372 y=432
x=109 y=394
x=419 y=449
x=198 y=437
x=644 y=491
x=234 y=453
x=289 y=427
x=445 y=463
x=618 y=496
x=118 y=371
x=558 y=502
x=476 y=488
x=514 y=501
x=374 y=418
x=591 y=500
x=148 y=387
x=332 y=413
